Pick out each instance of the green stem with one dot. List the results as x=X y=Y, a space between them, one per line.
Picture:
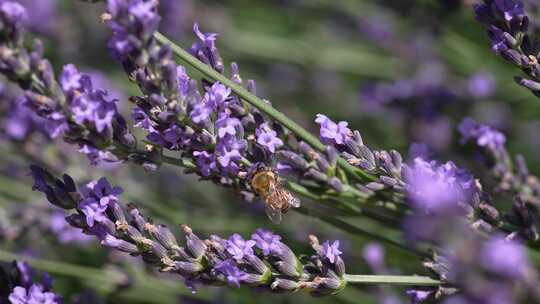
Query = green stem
x=392 y=280
x=258 y=103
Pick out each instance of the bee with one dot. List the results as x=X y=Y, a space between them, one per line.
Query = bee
x=268 y=185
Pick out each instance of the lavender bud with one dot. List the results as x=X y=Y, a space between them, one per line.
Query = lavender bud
x=293 y=159
x=331 y=283
x=285 y=254
x=189 y=267
x=490 y=211
x=510 y=39
x=235 y=73
x=529 y=84
x=331 y=155
x=388 y=181
x=306 y=149
x=287 y=269
x=375 y=186
x=284 y=284
x=257 y=264
x=164 y=236
x=339 y=267
x=514 y=56
x=336 y=184
x=252 y=86
x=253 y=279
x=113 y=242
x=159 y=250
x=117 y=211
x=195 y=245
x=521 y=166
x=137 y=217
x=323 y=164
x=76 y=220
x=133 y=233
x=316 y=175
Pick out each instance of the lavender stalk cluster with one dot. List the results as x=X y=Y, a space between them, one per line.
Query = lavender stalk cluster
x=263 y=261
x=223 y=138
x=20 y=284
x=507 y=27
x=512 y=175
x=423 y=186
x=71 y=107
x=448 y=203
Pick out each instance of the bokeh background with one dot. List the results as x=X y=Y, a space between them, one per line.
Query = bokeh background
x=404 y=73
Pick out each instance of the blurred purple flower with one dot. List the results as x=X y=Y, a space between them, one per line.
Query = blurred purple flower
x=33 y=295
x=481 y=85
x=21 y=121
x=485 y=136
x=505 y=257
x=373 y=254
x=432 y=187
x=25 y=273
x=14 y=12
x=42 y=14
x=418 y=296
x=66 y=233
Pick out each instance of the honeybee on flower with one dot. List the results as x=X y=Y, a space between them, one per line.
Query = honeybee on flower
x=268 y=185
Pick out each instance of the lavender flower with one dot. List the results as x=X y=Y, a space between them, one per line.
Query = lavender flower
x=238 y=247
x=267 y=138
x=331 y=132
x=234 y=261
x=231 y=271
x=72 y=108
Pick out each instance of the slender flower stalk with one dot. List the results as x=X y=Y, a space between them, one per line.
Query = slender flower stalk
x=262 y=261
x=512 y=175
x=256 y=102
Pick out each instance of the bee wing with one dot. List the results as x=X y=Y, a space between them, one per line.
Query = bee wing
x=294 y=201
x=273 y=214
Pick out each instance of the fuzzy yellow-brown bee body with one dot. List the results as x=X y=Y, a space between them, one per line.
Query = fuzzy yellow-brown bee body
x=267 y=184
